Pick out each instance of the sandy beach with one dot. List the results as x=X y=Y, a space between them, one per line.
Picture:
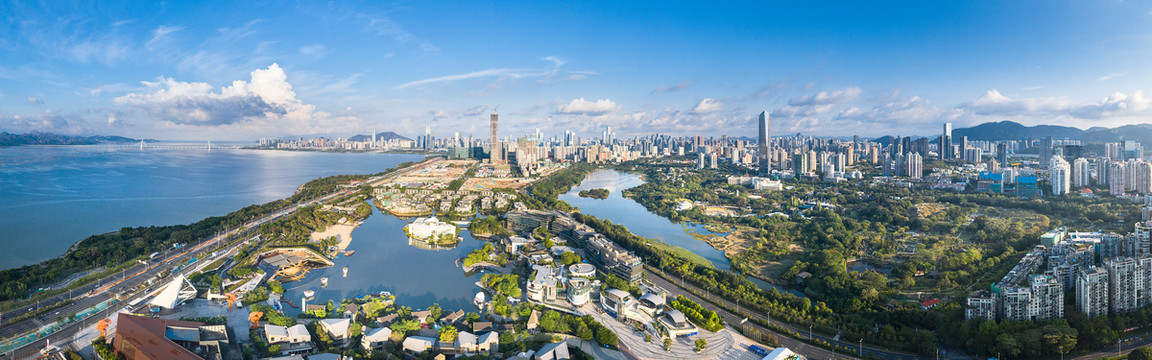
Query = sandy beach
x=342 y=232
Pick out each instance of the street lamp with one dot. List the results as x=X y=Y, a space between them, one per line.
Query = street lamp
x=861 y=351
x=809 y=332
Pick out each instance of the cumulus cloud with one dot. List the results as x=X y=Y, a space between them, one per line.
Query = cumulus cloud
x=819 y=103
x=708 y=105
x=993 y=103
x=47 y=121
x=265 y=102
x=584 y=107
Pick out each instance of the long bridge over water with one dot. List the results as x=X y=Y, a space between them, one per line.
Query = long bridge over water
x=142 y=145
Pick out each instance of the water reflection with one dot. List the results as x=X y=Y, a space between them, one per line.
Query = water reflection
x=384 y=261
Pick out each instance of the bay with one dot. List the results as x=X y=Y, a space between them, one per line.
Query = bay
x=54 y=196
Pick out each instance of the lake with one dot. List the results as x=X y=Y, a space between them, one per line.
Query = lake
x=54 y=196
x=384 y=261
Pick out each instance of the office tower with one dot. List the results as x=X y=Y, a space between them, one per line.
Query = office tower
x=765 y=162
x=373 y=136
x=1133 y=150
x=1045 y=150
x=1116 y=178
x=905 y=144
x=914 y=165
x=497 y=152
x=1060 y=175
x=1002 y=153
x=946 y=142
x=1080 y=177
x=962 y=148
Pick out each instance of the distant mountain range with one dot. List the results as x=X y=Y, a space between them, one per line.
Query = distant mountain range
x=1008 y=130
x=379 y=136
x=42 y=138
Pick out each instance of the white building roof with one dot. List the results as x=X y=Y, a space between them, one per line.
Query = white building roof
x=380 y=334
x=338 y=328
x=418 y=344
x=180 y=289
x=782 y=353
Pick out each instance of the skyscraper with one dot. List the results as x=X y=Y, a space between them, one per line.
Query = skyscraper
x=765 y=136
x=497 y=155
x=946 y=142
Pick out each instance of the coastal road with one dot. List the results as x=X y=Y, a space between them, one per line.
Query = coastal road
x=131 y=278
x=800 y=347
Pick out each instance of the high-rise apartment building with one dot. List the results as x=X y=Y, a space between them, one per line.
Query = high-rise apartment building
x=1080 y=176
x=1116 y=178
x=1092 y=291
x=1060 y=175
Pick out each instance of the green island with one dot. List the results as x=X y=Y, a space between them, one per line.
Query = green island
x=594 y=193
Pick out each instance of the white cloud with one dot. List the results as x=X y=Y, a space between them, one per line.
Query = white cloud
x=708 y=105
x=475 y=110
x=315 y=51
x=35 y=101
x=992 y=103
x=819 y=103
x=584 y=107
x=500 y=74
x=1109 y=76
x=437 y=114
x=674 y=88
x=265 y=103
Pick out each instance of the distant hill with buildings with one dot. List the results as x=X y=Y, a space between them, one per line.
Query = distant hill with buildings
x=1008 y=130
x=379 y=136
x=43 y=138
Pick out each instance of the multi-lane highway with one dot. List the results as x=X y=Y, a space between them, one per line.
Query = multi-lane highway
x=800 y=347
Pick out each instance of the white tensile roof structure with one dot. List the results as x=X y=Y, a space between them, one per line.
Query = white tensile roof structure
x=179 y=290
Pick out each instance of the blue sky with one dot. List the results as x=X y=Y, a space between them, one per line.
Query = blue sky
x=187 y=71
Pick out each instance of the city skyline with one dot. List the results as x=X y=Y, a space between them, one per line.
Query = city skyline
x=240 y=72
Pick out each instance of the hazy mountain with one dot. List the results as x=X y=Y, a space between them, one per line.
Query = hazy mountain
x=42 y=138
x=380 y=136
x=1007 y=130
x=1141 y=133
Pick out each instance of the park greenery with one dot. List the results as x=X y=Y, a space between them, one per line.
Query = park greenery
x=503 y=284
x=901 y=240
x=488 y=225
x=697 y=314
